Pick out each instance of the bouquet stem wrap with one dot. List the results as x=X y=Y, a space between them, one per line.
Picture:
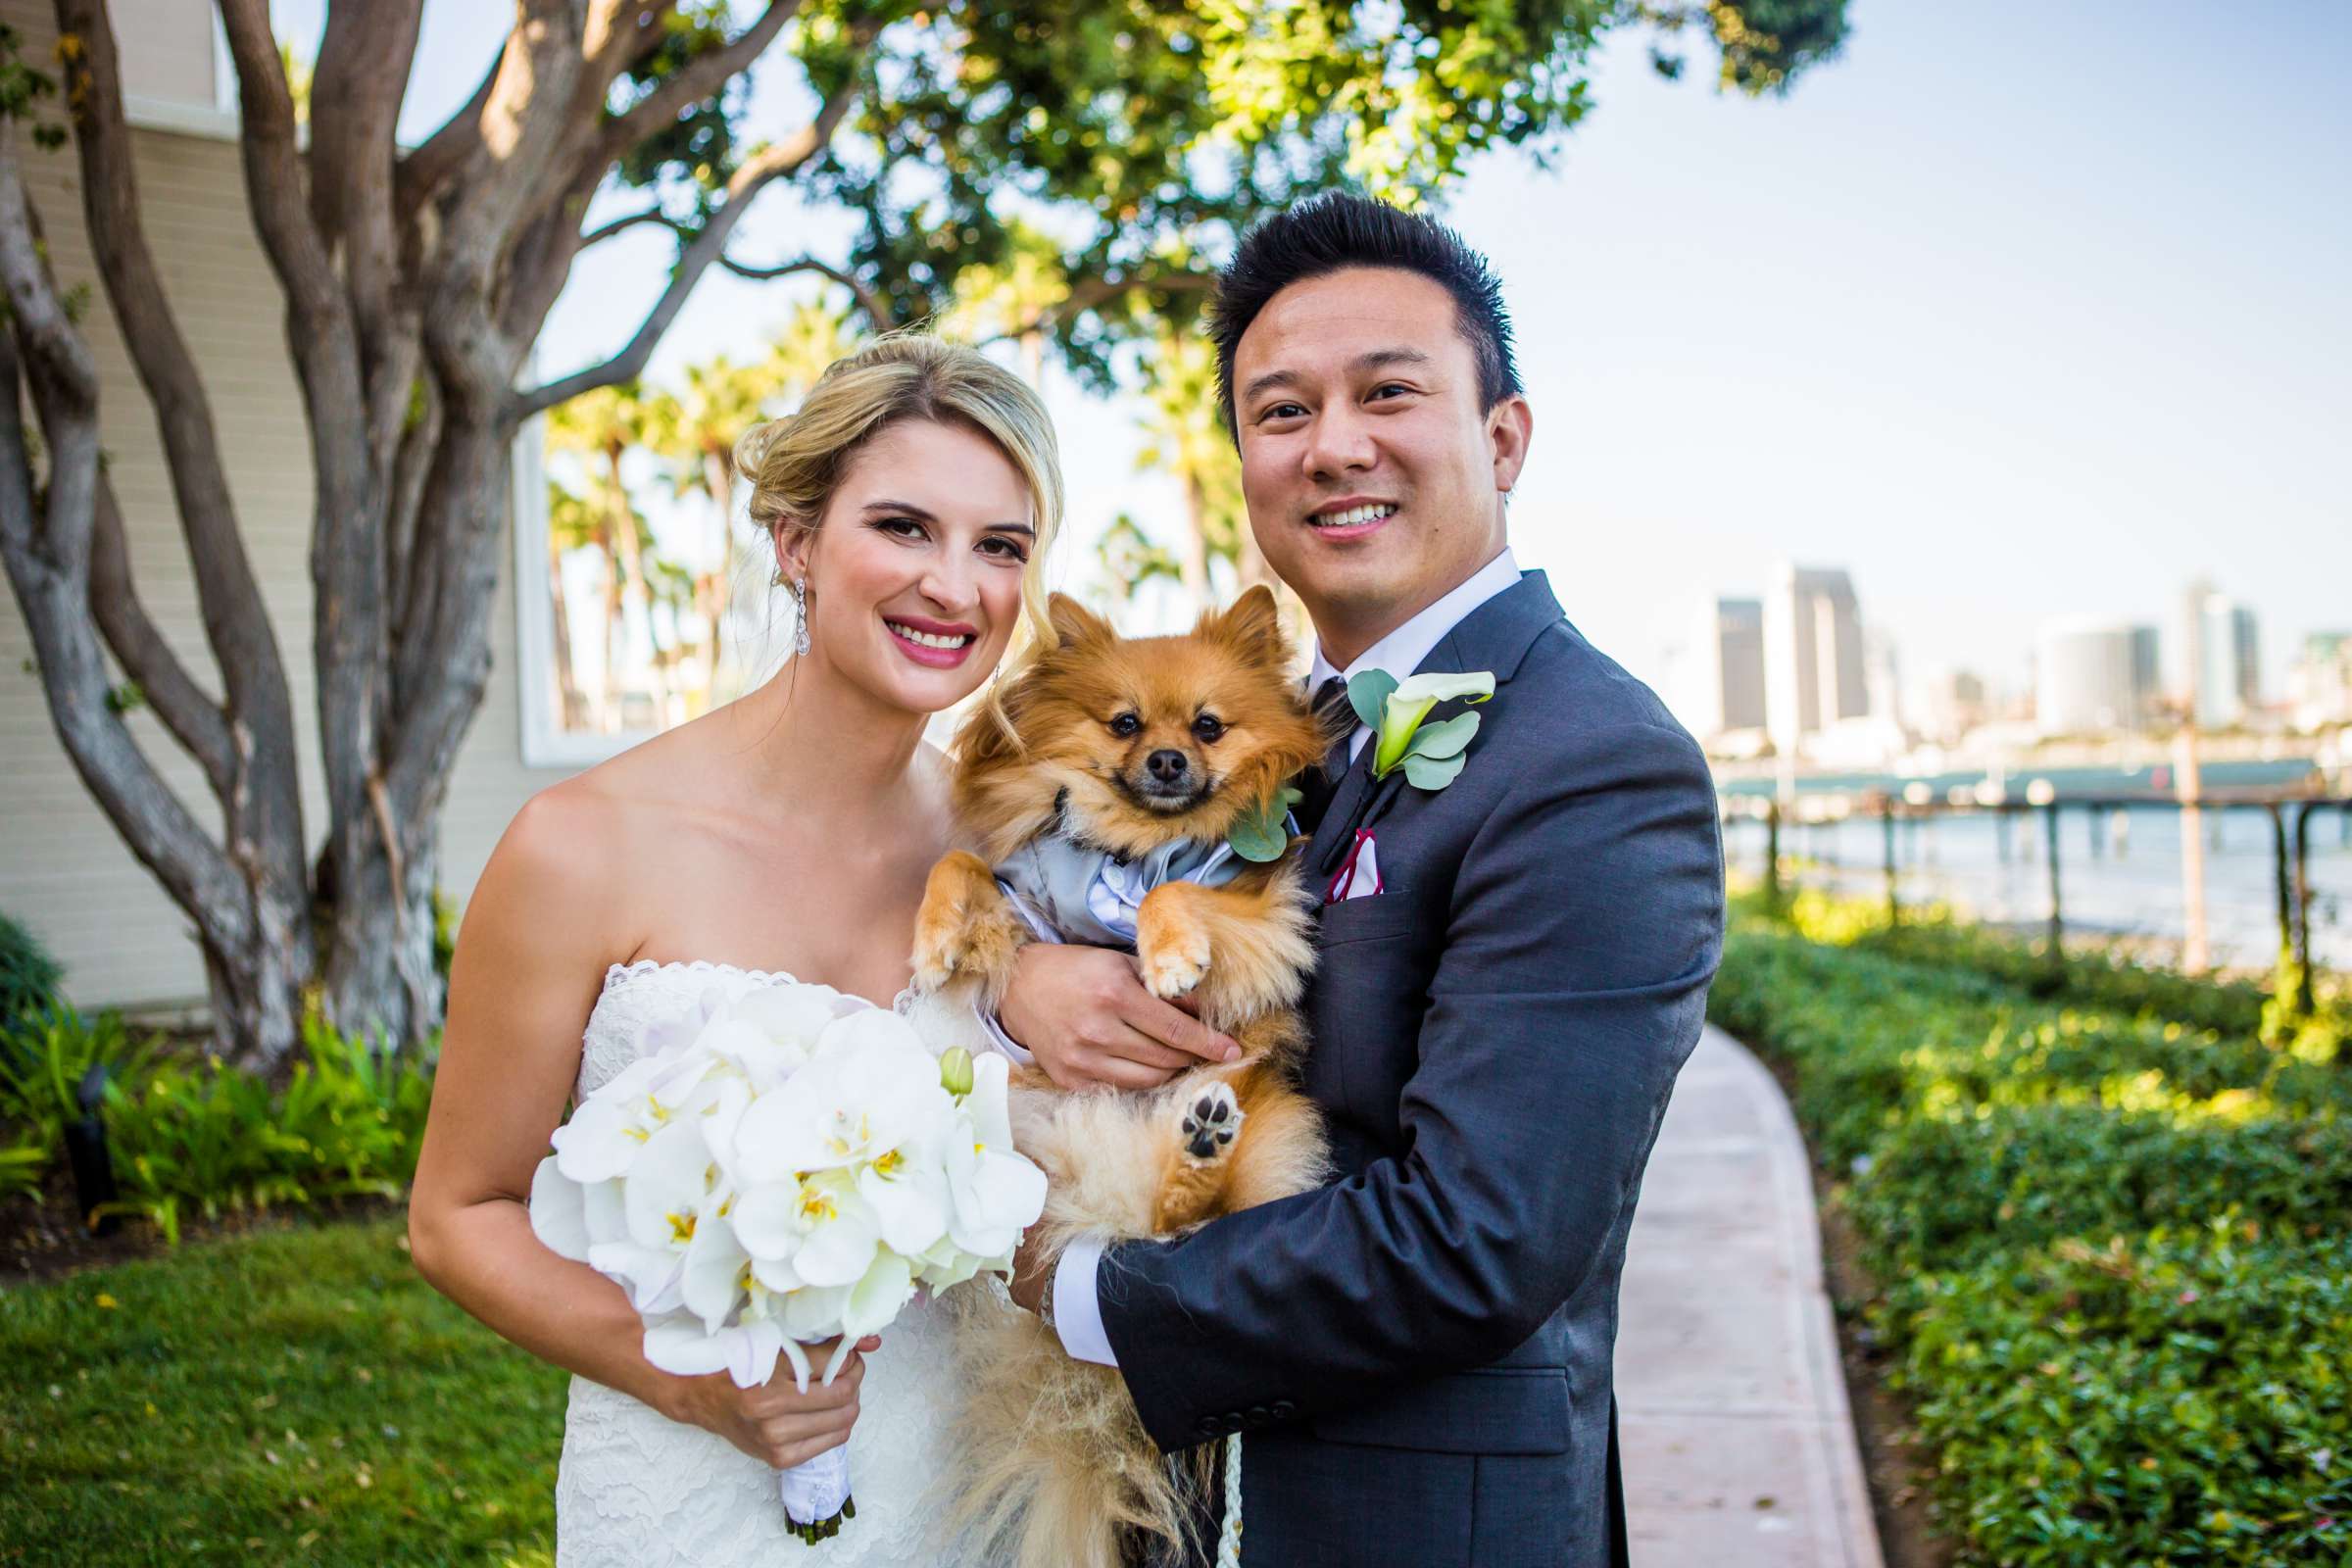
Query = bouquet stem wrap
x=816 y=1495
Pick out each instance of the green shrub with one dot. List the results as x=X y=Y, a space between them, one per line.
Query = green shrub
x=2112 y=1236
x=21 y=1167
x=45 y=1057
x=28 y=976
x=209 y=1138
x=2185 y=1397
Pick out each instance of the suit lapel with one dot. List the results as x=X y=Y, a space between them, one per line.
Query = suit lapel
x=1495 y=636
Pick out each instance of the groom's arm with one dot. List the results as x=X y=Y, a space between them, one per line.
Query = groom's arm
x=1585 y=923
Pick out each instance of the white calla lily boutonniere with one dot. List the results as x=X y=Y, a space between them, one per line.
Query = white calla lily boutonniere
x=1430 y=755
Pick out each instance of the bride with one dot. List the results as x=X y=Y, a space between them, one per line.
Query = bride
x=787 y=834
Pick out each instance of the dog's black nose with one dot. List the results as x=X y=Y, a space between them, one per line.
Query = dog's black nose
x=1167 y=766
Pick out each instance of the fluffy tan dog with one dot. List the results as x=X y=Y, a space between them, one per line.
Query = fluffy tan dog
x=1108 y=762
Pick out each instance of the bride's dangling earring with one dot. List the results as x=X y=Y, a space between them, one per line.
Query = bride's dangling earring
x=799 y=615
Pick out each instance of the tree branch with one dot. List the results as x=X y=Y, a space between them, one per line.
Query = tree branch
x=47 y=555
x=194 y=719
x=350 y=645
x=876 y=307
x=362 y=70
x=622 y=224
x=423 y=172
x=695 y=81
x=1094 y=292
x=779 y=161
x=237 y=622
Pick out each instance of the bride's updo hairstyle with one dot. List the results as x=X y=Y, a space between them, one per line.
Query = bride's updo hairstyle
x=794 y=465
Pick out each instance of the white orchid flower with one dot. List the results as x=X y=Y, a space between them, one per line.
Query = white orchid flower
x=745 y=1353
x=994 y=1192
x=870 y=1088
x=819 y=1226
x=610 y=1128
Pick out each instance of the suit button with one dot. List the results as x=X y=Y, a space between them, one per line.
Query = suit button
x=1282 y=1409
x=1258 y=1417
x=1209 y=1426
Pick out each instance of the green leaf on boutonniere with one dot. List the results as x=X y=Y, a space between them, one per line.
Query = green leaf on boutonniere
x=1432 y=772
x=1368 y=693
x=1261 y=836
x=1448 y=739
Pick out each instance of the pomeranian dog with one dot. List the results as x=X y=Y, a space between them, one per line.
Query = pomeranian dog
x=1127 y=792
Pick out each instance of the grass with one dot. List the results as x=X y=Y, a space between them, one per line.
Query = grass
x=288 y=1397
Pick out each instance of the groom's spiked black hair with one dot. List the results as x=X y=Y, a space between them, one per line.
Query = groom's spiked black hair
x=1338 y=230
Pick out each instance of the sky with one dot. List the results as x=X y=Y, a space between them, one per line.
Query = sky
x=2016 y=311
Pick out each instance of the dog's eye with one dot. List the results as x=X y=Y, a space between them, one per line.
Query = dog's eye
x=1126 y=725
x=1207 y=729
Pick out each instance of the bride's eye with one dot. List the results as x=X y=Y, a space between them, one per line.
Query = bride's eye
x=1004 y=549
x=900 y=527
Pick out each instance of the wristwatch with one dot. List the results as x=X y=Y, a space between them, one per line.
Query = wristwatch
x=1044 y=1305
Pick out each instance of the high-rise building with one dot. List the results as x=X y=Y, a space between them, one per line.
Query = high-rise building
x=1722 y=670
x=2095 y=677
x=1813 y=657
x=2230 y=666
x=1948 y=705
x=2319 y=686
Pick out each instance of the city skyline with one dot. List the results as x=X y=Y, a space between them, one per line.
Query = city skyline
x=1804 y=667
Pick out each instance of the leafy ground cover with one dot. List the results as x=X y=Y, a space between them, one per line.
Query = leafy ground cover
x=2106 y=1220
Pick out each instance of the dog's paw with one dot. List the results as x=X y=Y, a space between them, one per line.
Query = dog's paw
x=937 y=955
x=1176 y=963
x=1212 y=1121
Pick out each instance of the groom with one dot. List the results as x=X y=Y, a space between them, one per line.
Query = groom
x=1511 y=969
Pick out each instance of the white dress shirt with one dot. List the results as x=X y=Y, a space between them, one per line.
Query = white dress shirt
x=1077 y=1309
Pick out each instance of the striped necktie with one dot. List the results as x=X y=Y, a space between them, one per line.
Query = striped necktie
x=1338 y=718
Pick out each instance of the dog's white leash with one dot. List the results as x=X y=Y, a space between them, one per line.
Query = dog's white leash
x=1229 y=1538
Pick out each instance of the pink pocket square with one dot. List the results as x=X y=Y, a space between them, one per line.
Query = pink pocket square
x=1358 y=875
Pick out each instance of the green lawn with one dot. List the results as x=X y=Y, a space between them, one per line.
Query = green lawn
x=287 y=1397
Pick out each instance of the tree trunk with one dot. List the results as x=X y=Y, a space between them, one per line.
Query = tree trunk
x=379 y=977
x=1191 y=558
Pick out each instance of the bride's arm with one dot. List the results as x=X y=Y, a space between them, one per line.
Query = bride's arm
x=530 y=959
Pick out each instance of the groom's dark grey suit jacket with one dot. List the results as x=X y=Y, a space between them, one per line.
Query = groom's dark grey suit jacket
x=1419 y=1354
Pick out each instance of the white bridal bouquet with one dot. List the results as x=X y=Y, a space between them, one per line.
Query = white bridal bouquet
x=789 y=1169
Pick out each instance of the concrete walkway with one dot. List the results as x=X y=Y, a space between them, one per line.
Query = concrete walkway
x=1738 y=1445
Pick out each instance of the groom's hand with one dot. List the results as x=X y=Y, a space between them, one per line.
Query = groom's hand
x=1084 y=1015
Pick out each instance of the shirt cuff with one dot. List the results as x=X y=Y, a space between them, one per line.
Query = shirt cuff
x=998 y=1038
x=1077 y=1309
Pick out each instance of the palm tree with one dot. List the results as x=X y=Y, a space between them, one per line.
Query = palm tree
x=1187 y=441
x=600 y=427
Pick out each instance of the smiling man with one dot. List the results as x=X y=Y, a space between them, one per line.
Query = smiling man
x=1512 y=967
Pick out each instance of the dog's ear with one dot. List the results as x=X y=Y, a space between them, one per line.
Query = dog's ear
x=1254 y=625
x=1075 y=625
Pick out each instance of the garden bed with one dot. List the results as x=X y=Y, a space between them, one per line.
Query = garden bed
x=2104 y=1220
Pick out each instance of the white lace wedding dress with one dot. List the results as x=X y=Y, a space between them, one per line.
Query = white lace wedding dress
x=636 y=1490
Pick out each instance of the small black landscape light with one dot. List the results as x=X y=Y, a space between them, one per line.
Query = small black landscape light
x=87 y=1154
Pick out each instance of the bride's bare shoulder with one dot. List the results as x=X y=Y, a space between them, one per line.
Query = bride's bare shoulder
x=581 y=835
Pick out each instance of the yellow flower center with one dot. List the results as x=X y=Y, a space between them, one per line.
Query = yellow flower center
x=681 y=1226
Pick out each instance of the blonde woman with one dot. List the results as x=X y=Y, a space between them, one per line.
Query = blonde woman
x=909 y=502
